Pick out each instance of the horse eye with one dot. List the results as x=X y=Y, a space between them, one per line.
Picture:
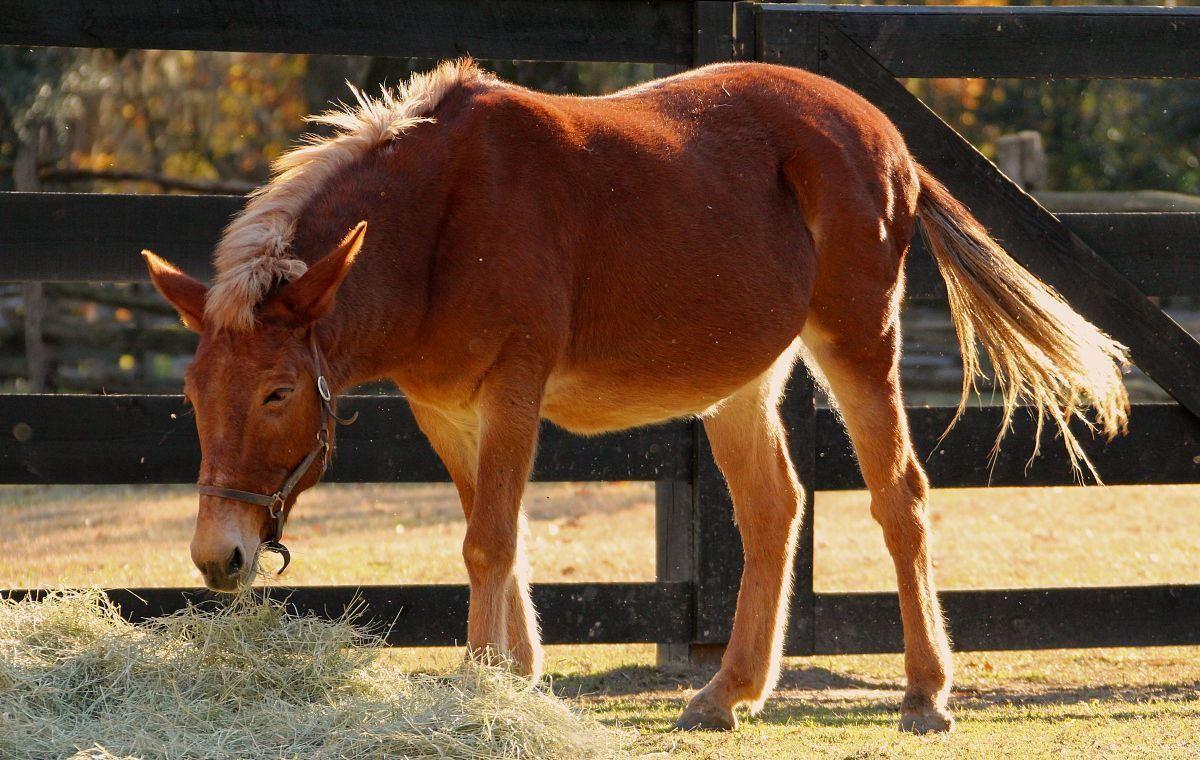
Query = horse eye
x=279 y=394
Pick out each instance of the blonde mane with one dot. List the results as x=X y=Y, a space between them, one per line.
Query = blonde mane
x=253 y=254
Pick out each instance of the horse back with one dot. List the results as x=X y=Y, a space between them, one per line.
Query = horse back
x=652 y=244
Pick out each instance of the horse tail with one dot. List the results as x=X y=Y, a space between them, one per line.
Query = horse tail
x=1043 y=353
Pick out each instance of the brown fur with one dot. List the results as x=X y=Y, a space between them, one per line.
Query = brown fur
x=610 y=262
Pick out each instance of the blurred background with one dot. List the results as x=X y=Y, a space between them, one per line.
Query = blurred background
x=114 y=121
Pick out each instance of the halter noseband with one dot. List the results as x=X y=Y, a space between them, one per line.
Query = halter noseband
x=276 y=503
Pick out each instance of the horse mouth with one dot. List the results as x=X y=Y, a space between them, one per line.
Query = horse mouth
x=226 y=584
x=230 y=576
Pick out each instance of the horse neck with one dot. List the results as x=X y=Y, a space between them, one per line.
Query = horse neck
x=338 y=343
x=381 y=303
x=363 y=334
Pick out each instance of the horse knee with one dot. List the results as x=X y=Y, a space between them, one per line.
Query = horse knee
x=488 y=559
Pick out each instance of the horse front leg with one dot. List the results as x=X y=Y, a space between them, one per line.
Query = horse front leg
x=501 y=613
x=456 y=441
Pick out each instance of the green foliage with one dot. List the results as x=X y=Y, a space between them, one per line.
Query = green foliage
x=225 y=116
x=179 y=113
x=1099 y=134
x=25 y=74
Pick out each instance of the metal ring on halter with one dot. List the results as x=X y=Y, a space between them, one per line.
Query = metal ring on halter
x=277 y=547
x=327 y=398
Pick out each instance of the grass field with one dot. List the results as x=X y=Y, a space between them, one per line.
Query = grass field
x=1086 y=703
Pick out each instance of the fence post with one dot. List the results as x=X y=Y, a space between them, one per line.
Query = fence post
x=1022 y=159
x=717 y=557
x=674 y=513
x=25 y=179
x=799 y=413
x=710 y=553
x=712 y=31
x=683 y=509
x=697 y=537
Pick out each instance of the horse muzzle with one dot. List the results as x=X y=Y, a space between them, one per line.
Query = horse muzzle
x=227 y=575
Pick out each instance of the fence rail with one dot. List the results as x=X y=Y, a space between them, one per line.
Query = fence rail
x=844 y=623
x=151 y=439
x=543 y=30
x=938 y=41
x=51 y=237
x=1105 y=263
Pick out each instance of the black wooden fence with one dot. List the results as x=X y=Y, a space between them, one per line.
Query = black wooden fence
x=1105 y=264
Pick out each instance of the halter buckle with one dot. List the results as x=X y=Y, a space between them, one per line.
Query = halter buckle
x=323 y=389
x=277 y=504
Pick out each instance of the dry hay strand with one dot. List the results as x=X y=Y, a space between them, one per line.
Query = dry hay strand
x=252 y=681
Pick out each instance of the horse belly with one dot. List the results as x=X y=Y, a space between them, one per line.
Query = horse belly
x=676 y=380
x=589 y=405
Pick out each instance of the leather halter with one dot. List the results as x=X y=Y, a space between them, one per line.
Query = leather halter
x=276 y=503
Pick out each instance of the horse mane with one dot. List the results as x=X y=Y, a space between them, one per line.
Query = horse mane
x=253 y=253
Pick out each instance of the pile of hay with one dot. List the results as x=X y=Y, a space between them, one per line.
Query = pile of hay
x=250 y=681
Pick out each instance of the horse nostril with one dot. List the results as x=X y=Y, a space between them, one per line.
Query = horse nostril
x=236 y=561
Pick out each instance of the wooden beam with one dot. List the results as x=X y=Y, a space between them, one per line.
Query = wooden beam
x=791 y=39
x=717 y=553
x=135 y=439
x=940 y=41
x=37 y=358
x=846 y=623
x=1161 y=447
x=674 y=551
x=152 y=439
x=745 y=29
x=544 y=30
x=96 y=237
x=712 y=26
x=982 y=620
x=436 y=615
x=799 y=413
x=1159 y=253
x=1031 y=235
x=718 y=545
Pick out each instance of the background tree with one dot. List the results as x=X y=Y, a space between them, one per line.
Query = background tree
x=183 y=121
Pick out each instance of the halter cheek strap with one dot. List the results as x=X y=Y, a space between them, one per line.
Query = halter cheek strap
x=276 y=503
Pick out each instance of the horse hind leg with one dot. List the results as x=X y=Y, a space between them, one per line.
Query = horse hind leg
x=860 y=367
x=750 y=447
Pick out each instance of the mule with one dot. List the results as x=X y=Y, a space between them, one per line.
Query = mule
x=666 y=251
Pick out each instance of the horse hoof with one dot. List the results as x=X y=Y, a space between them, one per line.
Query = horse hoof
x=702 y=715
x=929 y=721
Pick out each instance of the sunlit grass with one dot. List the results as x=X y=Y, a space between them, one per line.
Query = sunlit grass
x=1078 y=703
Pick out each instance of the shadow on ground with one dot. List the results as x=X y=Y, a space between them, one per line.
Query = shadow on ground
x=822 y=696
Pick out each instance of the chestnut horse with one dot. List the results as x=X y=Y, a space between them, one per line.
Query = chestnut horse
x=603 y=263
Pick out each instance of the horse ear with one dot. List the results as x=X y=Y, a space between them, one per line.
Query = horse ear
x=312 y=296
x=185 y=293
